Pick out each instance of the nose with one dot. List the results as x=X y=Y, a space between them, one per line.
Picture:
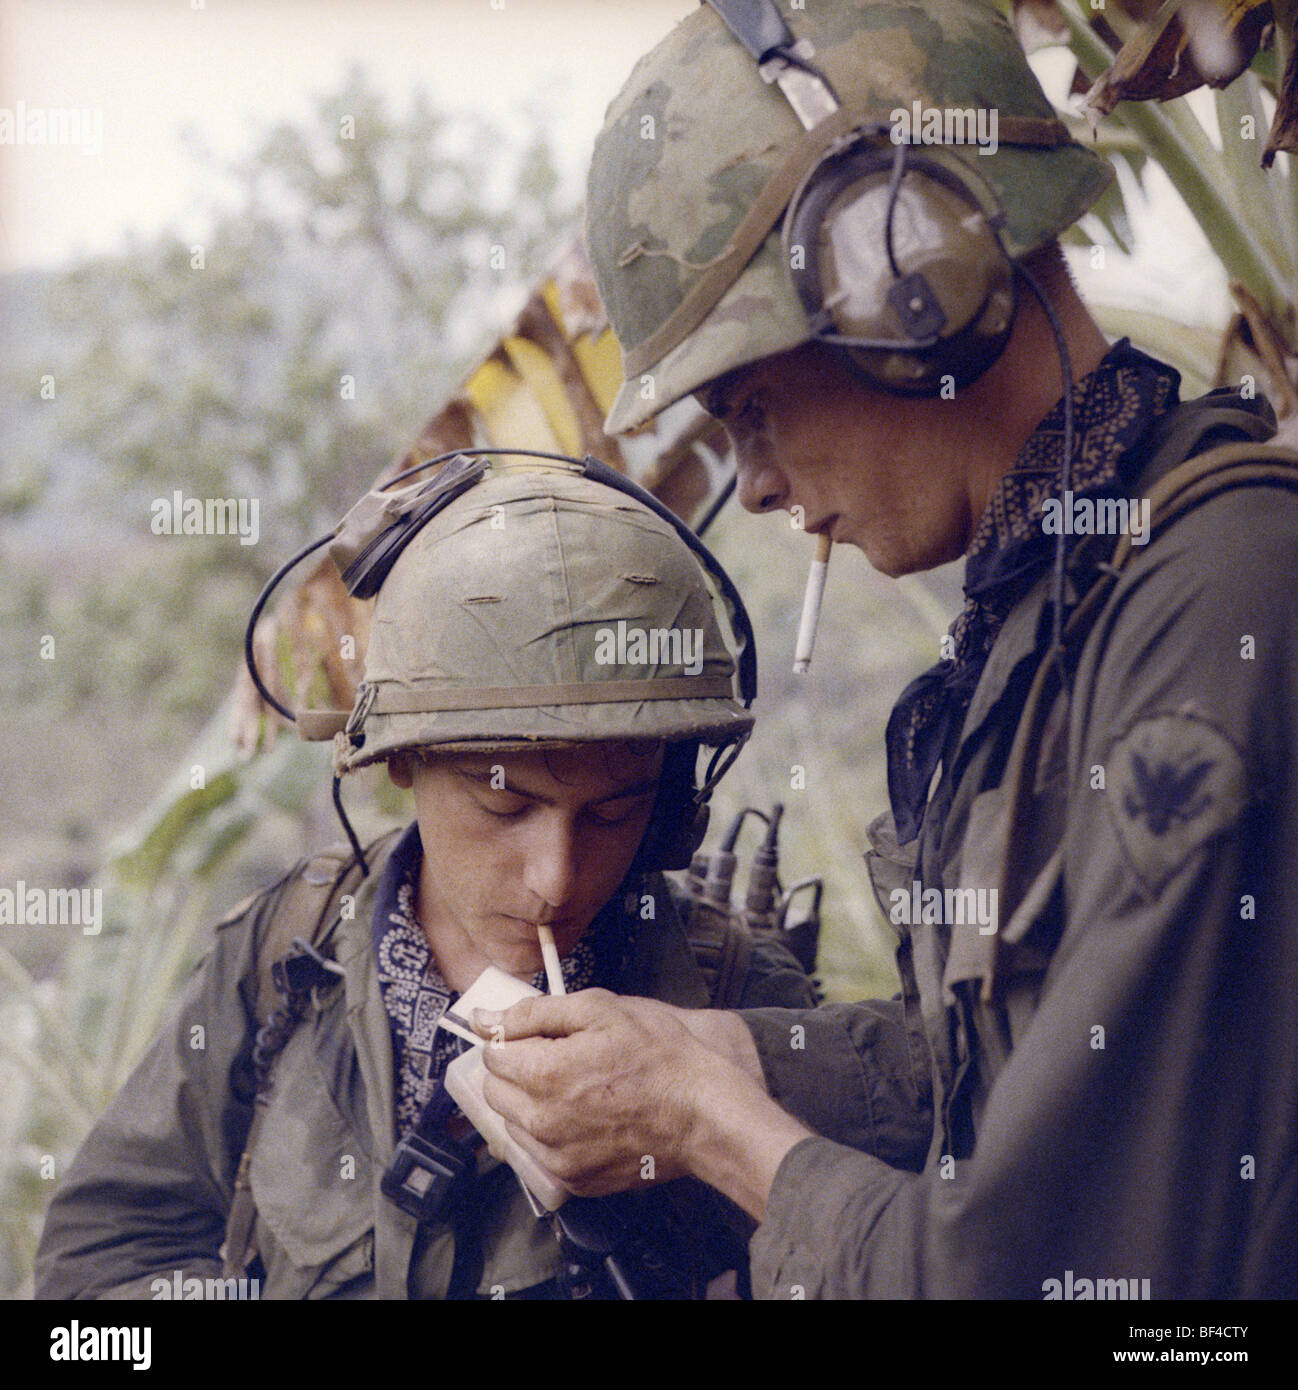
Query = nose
x=760 y=485
x=551 y=869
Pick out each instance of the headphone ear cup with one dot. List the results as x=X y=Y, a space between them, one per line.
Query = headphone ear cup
x=679 y=849
x=933 y=307
x=679 y=820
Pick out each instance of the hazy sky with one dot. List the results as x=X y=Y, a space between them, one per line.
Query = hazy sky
x=143 y=70
x=149 y=68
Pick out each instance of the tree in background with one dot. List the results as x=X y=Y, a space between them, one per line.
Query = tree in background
x=1230 y=157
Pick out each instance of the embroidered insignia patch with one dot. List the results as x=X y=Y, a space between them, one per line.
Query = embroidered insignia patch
x=1173 y=783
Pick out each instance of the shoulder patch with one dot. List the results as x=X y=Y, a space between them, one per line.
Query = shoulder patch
x=1174 y=782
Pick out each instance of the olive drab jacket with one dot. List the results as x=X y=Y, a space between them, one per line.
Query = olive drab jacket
x=149 y=1193
x=1098 y=1098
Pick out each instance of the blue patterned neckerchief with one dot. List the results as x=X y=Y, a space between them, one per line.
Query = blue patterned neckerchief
x=1114 y=408
x=416 y=995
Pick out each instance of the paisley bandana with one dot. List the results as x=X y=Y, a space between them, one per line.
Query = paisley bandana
x=416 y=995
x=1113 y=409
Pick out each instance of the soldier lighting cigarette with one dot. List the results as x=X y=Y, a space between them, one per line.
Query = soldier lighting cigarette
x=811 y=601
x=550 y=955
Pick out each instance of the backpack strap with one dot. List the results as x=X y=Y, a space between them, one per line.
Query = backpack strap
x=722 y=947
x=1178 y=474
x=1218 y=470
x=1173 y=494
x=1193 y=427
x=308 y=908
x=307 y=911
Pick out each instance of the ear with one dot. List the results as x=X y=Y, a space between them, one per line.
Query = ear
x=399 y=771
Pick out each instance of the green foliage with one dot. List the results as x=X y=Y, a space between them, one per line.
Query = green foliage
x=1249 y=216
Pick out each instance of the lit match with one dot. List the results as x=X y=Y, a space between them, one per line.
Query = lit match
x=550 y=955
x=811 y=601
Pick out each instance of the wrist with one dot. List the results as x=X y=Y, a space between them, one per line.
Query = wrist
x=737 y=1136
x=725 y=1032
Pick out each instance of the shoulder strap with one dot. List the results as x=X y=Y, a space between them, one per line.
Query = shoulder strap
x=722 y=949
x=1222 y=416
x=1171 y=496
x=1207 y=474
x=307 y=909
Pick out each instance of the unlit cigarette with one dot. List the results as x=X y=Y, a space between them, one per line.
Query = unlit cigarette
x=550 y=955
x=811 y=601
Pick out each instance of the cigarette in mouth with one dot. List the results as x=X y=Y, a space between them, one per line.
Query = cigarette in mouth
x=550 y=955
x=811 y=601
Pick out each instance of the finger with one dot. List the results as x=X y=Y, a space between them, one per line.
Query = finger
x=545 y=1015
x=515 y=1109
x=511 y=1102
x=581 y=1179
x=555 y=1146
x=540 y=1065
x=510 y=1063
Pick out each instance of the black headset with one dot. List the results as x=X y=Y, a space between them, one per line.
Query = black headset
x=952 y=318
x=380 y=527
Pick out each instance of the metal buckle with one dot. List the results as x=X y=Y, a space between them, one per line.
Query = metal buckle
x=424 y=1178
x=353 y=728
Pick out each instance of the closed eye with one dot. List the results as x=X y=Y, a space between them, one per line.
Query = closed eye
x=616 y=812
x=505 y=807
x=713 y=400
x=718 y=397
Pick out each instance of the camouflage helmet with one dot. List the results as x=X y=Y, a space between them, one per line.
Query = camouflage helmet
x=696 y=138
x=542 y=609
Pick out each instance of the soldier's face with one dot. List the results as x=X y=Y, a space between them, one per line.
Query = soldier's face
x=888 y=474
x=511 y=840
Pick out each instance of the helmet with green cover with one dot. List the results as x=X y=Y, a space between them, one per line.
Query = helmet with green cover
x=699 y=158
x=543 y=609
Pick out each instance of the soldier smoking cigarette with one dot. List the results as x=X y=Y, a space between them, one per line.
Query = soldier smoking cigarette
x=550 y=955
x=811 y=601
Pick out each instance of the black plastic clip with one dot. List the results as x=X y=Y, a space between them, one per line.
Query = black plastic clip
x=304 y=969
x=426 y=1177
